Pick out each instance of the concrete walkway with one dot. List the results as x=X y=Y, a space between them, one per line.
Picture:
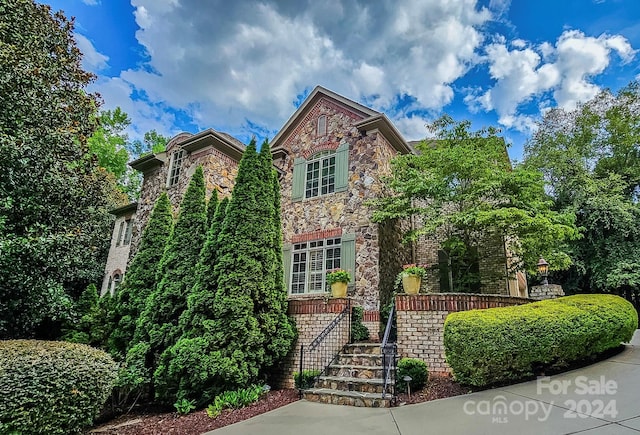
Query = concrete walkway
x=600 y=399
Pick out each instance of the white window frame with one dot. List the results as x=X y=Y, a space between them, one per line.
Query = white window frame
x=127 y=232
x=177 y=158
x=321 y=127
x=310 y=262
x=325 y=182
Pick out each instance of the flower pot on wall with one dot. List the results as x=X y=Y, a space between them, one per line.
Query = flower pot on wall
x=339 y=290
x=411 y=284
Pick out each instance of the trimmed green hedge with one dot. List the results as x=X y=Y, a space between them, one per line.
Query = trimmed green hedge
x=416 y=369
x=498 y=345
x=52 y=387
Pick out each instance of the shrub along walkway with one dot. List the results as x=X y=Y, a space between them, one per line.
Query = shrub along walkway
x=598 y=399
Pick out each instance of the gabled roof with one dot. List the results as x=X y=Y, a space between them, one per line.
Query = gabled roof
x=223 y=142
x=150 y=161
x=125 y=209
x=372 y=120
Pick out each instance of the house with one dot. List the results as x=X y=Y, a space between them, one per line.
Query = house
x=332 y=155
x=119 y=249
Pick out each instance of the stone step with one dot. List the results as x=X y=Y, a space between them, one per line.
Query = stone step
x=351 y=398
x=356 y=348
x=359 y=359
x=350 y=384
x=355 y=371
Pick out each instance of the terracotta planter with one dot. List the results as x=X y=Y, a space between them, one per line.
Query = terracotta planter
x=411 y=284
x=339 y=290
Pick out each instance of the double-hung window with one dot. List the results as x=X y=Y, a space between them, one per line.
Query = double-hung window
x=321 y=174
x=310 y=263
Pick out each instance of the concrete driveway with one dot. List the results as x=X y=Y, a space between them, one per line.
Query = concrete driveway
x=602 y=399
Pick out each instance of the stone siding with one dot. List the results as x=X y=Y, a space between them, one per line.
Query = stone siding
x=420 y=322
x=369 y=157
x=219 y=173
x=549 y=291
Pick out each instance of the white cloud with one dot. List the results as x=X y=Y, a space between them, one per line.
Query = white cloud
x=92 y=60
x=526 y=73
x=252 y=60
x=91 y=2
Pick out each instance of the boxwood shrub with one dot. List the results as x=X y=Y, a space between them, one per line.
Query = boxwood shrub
x=414 y=368
x=499 y=345
x=51 y=387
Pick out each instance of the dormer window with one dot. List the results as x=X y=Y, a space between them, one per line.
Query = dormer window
x=174 y=168
x=322 y=126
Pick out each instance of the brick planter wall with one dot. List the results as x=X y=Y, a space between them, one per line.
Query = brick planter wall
x=312 y=315
x=420 y=321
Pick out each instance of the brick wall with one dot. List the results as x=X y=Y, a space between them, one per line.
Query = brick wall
x=420 y=321
x=312 y=315
x=549 y=291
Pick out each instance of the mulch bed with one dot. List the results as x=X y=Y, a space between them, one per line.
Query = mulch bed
x=438 y=387
x=150 y=422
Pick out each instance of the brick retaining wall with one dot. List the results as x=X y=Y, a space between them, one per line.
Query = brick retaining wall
x=420 y=321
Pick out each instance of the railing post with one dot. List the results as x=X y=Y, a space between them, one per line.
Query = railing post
x=300 y=378
x=349 y=307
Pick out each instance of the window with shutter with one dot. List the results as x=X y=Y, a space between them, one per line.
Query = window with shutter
x=323 y=173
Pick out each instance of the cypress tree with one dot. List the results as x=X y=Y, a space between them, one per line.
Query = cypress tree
x=271 y=304
x=140 y=279
x=158 y=324
x=212 y=207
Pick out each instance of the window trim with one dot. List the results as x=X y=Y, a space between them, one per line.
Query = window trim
x=307 y=249
x=320 y=158
x=321 y=126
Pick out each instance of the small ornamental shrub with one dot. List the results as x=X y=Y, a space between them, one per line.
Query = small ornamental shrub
x=359 y=332
x=52 y=387
x=498 y=345
x=307 y=379
x=414 y=368
x=184 y=406
x=338 y=275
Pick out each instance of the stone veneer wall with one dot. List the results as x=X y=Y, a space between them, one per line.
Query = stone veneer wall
x=420 y=322
x=118 y=255
x=549 y=291
x=311 y=315
x=219 y=172
x=369 y=157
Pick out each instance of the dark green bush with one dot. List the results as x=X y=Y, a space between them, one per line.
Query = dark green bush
x=307 y=379
x=359 y=332
x=497 y=345
x=416 y=369
x=50 y=387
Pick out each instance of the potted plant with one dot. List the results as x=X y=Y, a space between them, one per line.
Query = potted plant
x=411 y=277
x=338 y=279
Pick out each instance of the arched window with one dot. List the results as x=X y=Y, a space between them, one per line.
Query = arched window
x=322 y=125
x=117 y=279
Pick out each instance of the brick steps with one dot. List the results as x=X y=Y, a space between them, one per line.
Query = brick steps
x=355 y=379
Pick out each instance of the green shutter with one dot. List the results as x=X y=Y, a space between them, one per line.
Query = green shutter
x=348 y=258
x=299 y=168
x=342 y=168
x=286 y=260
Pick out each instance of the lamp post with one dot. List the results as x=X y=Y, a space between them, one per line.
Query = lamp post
x=543 y=270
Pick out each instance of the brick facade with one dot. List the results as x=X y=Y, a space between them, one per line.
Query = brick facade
x=420 y=322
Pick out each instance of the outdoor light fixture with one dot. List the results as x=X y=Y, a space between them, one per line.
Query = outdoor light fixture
x=543 y=270
x=408 y=380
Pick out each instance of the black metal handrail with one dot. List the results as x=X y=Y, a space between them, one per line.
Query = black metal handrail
x=389 y=356
x=317 y=356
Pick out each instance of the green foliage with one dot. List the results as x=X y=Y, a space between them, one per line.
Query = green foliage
x=108 y=142
x=53 y=197
x=52 y=387
x=307 y=380
x=158 y=322
x=235 y=399
x=497 y=345
x=338 y=275
x=414 y=368
x=461 y=186
x=91 y=324
x=184 y=406
x=590 y=159
x=359 y=332
x=140 y=279
x=234 y=338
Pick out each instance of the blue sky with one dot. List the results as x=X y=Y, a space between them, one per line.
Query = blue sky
x=243 y=67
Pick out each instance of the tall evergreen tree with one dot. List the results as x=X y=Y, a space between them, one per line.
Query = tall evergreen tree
x=247 y=329
x=158 y=323
x=140 y=279
x=54 y=225
x=212 y=208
